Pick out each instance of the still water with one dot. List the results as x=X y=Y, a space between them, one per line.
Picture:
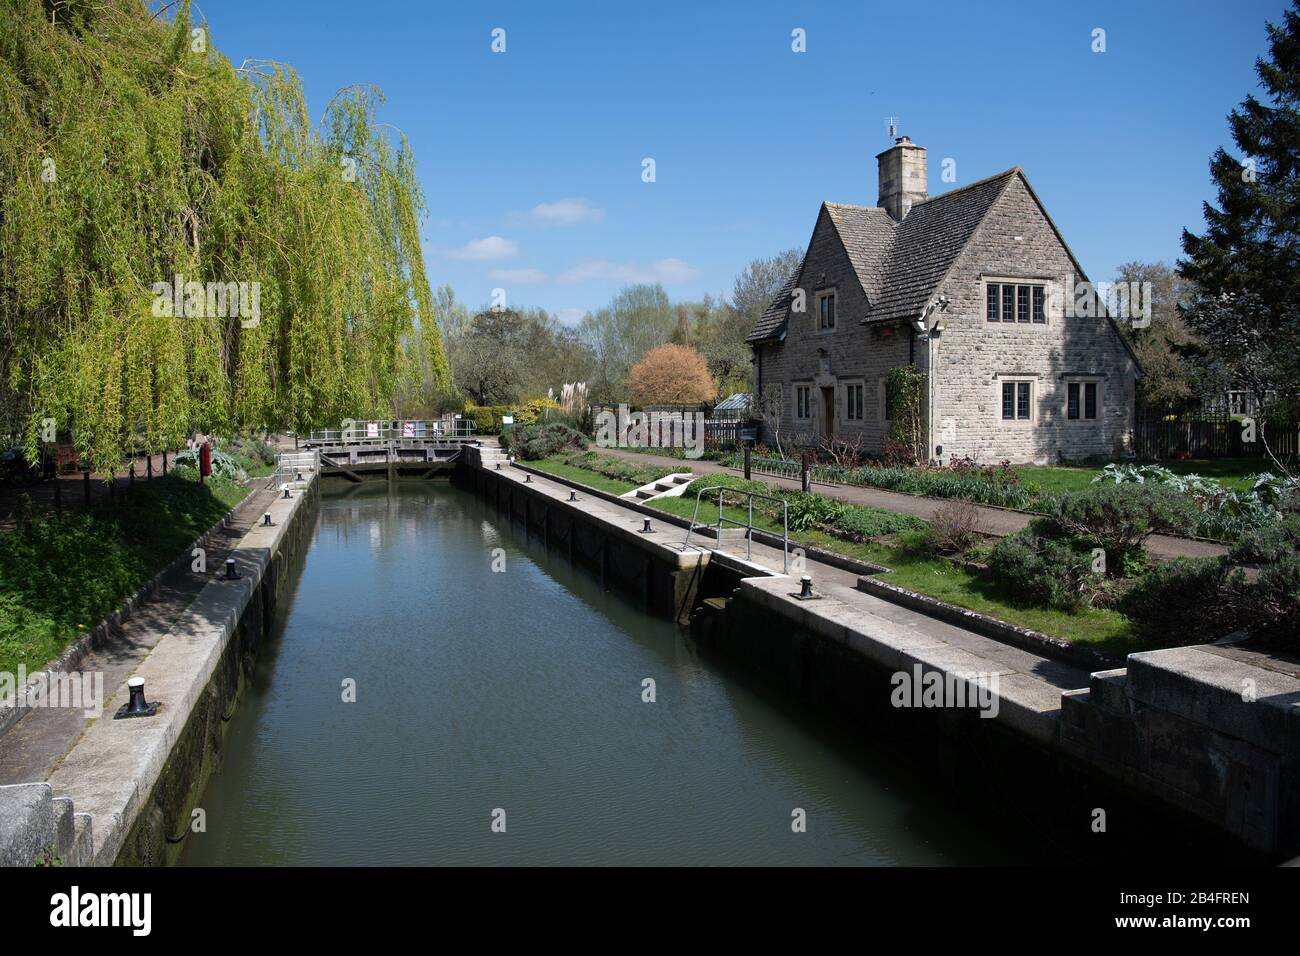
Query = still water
x=521 y=690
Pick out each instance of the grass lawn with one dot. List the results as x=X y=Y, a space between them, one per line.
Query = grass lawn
x=1232 y=472
x=1105 y=630
x=561 y=469
x=61 y=574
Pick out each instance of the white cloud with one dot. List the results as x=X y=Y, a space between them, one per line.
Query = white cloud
x=484 y=250
x=519 y=276
x=570 y=316
x=667 y=271
x=566 y=212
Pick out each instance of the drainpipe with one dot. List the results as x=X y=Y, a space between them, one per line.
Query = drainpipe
x=922 y=326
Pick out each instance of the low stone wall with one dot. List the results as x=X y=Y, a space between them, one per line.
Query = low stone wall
x=1214 y=730
x=137 y=780
x=36 y=829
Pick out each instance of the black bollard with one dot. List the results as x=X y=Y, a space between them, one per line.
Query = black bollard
x=137 y=706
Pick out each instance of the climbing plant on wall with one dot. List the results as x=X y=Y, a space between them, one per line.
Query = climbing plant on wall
x=904 y=391
x=180 y=247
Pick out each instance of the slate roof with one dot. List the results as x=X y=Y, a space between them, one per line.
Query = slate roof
x=771 y=324
x=898 y=263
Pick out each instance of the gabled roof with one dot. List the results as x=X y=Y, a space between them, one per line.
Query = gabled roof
x=898 y=264
x=928 y=241
x=771 y=324
x=867 y=233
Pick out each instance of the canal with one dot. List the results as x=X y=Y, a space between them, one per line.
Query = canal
x=521 y=690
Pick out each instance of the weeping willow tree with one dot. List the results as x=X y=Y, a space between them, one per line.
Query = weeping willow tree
x=135 y=159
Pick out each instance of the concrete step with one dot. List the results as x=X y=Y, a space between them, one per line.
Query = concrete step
x=667 y=486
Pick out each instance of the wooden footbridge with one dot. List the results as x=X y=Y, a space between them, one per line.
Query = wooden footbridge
x=389 y=449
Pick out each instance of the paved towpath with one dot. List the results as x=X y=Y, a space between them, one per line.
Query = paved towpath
x=35 y=745
x=995 y=521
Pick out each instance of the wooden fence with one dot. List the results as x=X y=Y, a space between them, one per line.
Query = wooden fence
x=1212 y=437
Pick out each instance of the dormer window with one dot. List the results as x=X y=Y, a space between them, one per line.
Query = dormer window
x=826 y=310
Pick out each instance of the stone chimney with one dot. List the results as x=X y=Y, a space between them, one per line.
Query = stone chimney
x=902 y=177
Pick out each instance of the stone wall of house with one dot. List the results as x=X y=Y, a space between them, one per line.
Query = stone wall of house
x=974 y=357
x=833 y=358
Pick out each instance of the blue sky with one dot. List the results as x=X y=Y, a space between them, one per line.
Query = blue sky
x=531 y=159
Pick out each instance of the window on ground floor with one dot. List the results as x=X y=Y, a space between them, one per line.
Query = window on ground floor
x=1017 y=401
x=853 y=402
x=1081 y=401
x=803 y=402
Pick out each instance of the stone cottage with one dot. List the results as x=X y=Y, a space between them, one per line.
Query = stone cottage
x=977 y=291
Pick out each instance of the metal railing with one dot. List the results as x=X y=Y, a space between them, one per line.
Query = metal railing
x=818 y=471
x=722 y=490
x=411 y=431
x=290 y=464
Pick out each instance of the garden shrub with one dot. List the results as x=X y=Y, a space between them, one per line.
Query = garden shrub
x=860 y=523
x=611 y=466
x=813 y=512
x=486 y=418
x=1183 y=601
x=1224 y=514
x=1120 y=517
x=254 y=449
x=223 y=465
x=534 y=442
x=1270 y=544
x=1042 y=568
x=938 y=483
x=808 y=511
x=535 y=410
x=1203 y=599
x=1269 y=606
x=953 y=528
